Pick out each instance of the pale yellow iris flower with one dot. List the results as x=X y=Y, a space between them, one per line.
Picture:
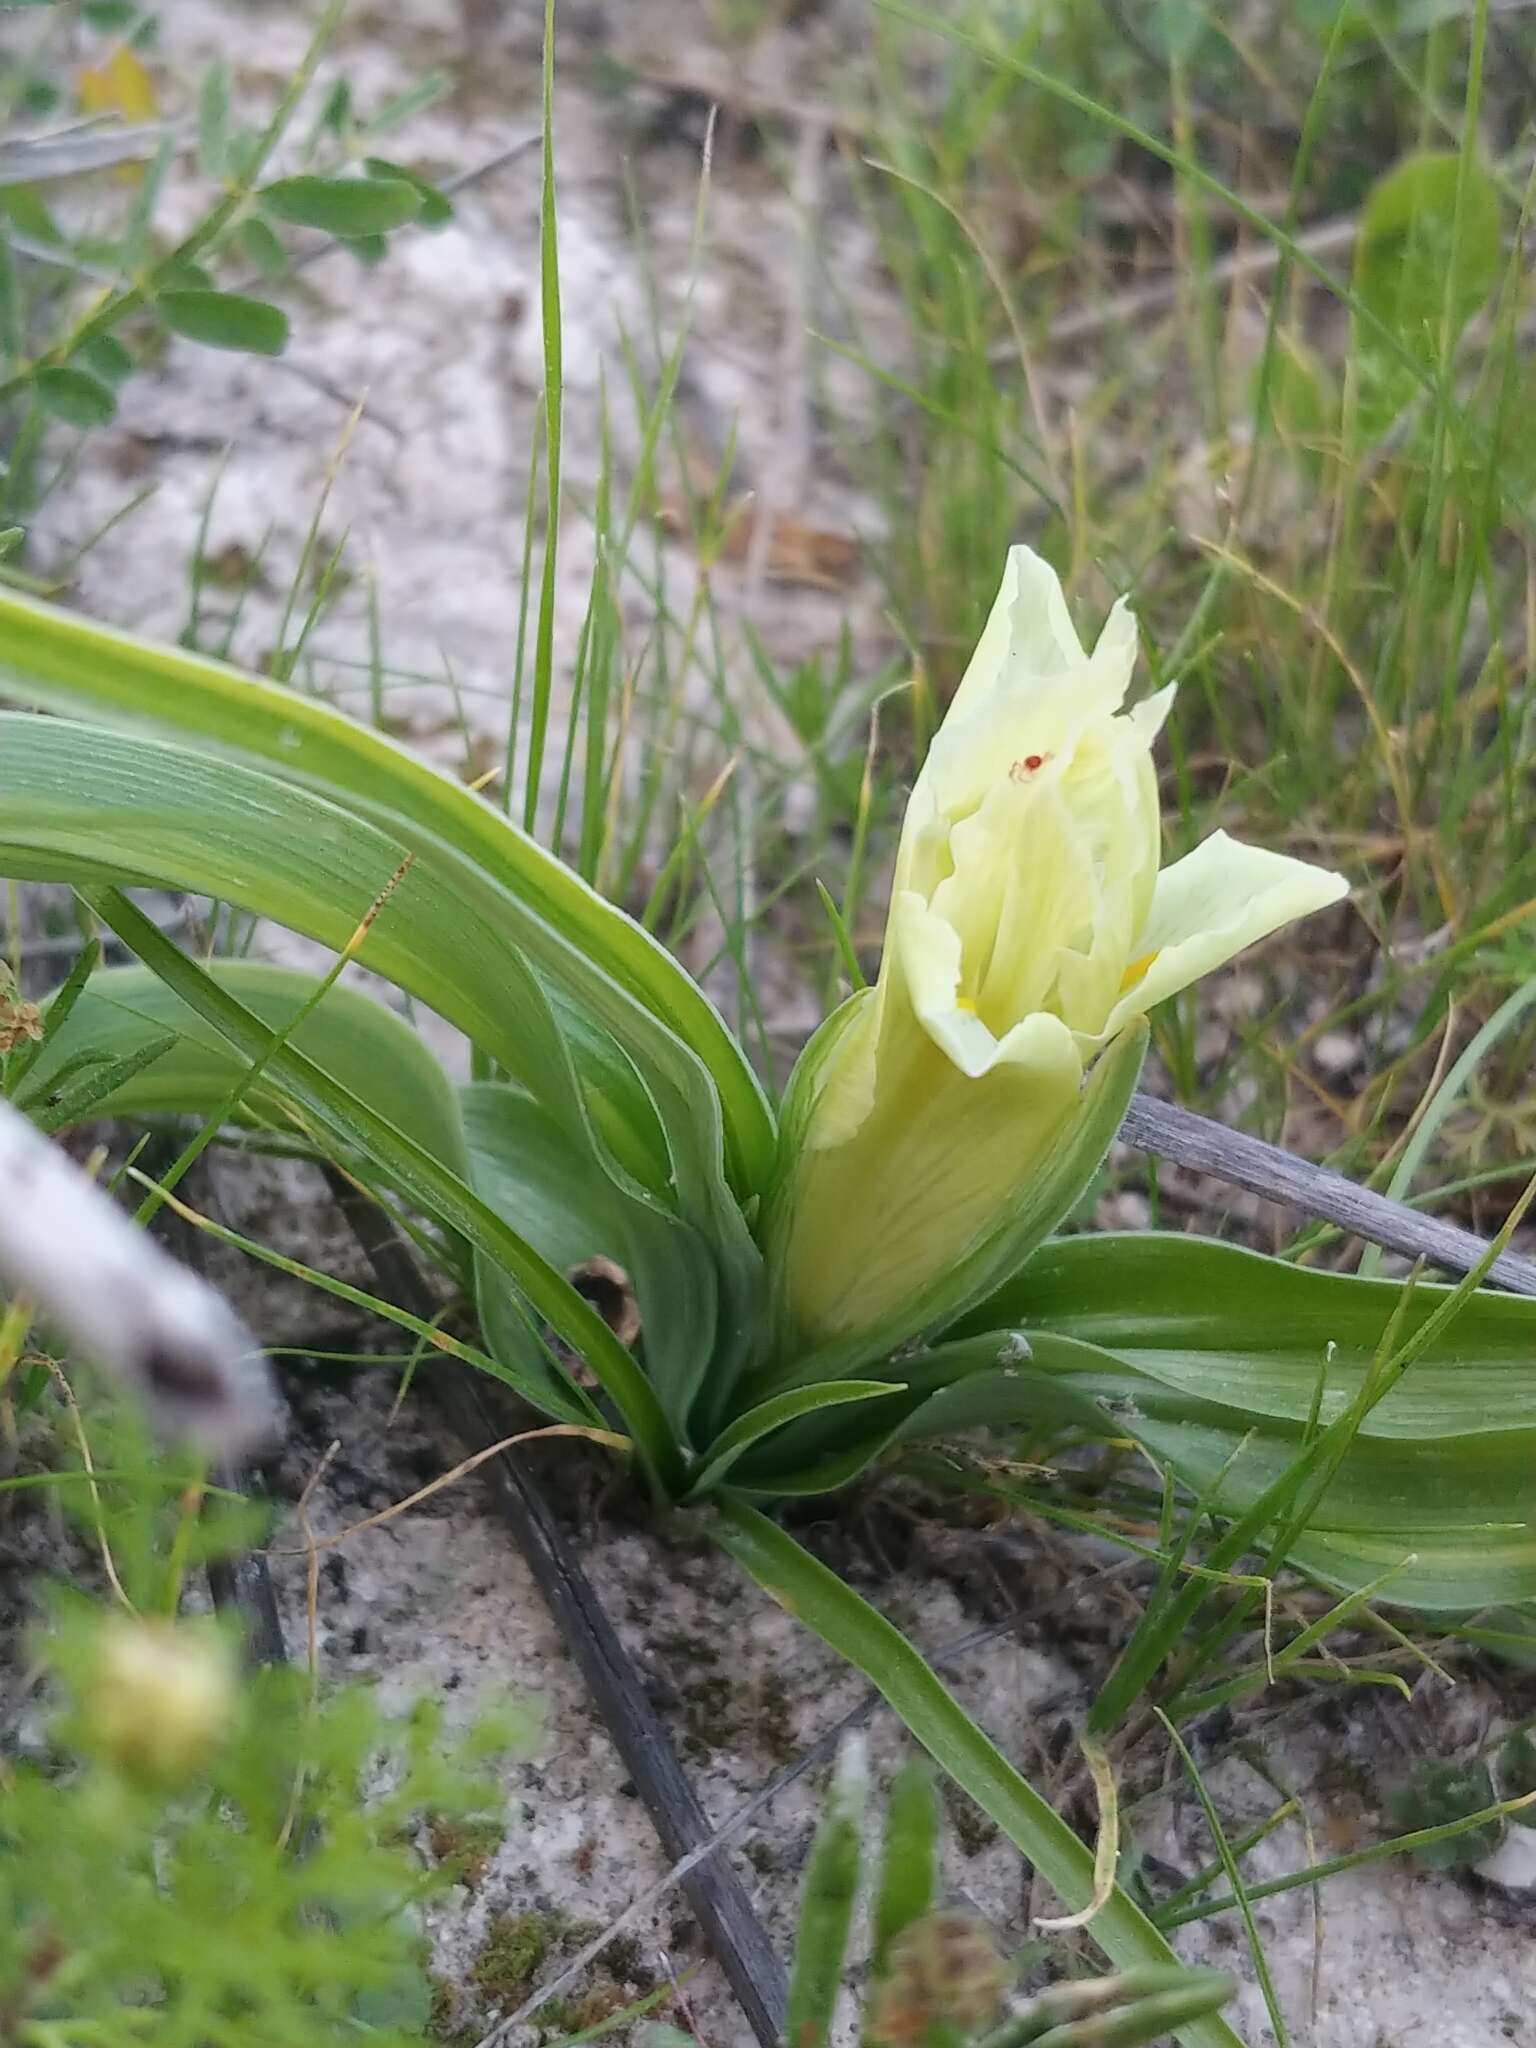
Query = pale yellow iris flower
x=1030 y=923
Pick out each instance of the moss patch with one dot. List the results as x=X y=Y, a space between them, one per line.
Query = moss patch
x=465 y=1848
x=515 y=1945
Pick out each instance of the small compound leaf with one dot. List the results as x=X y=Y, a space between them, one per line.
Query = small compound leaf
x=1439 y=1795
x=348 y=207
x=181 y=275
x=336 y=114
x=1418 y=259
x=225 y=320
x=75 y=396
x=436 y=206
x=262 y=245
x=1429 y=255
x=105 y=357
x=213 y=121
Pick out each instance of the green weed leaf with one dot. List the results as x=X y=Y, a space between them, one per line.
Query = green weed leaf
x=347 y=207
x=436 y=206
x=1429 y=256
x=75 y=396
x=225 y=320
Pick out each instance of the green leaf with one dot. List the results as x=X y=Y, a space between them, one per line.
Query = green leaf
x=213 y=120
x=528 y=1169
x=1416 y=261
x=404 y=106
x=614 y=974
x=75 y=801
x=436 y=206
x=336 y=111
x=830 y=1893
x=1428 y=256
x=736 y=1440
x=1517 y=1774
x=24 y=1057
x=1232 y=1326
x=81 y=1087
x=563 y=991
x=261 y=243
x=74 y=396
x=105 y=357
x=1442 y=1793
x=976 y=1384
x=1226 y=1365
x=134 y=252
x=434 y=1188
x=225 y=320
x=909 y=1866
x=146 y=809
x=1138 y=2006
x=24 y=207
x=818 y=1599
x=180 y=274
x=348 y=1035
x=346 y=207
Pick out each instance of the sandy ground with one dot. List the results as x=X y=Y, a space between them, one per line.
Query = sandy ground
x=443 y=339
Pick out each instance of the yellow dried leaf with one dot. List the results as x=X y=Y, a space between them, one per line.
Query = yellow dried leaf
x=122 y=86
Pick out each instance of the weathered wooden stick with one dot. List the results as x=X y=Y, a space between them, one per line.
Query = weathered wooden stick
x=1209 y=1147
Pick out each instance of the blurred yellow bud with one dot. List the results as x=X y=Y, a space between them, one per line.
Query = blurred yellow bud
x=158 y=1698
x=1031 y=926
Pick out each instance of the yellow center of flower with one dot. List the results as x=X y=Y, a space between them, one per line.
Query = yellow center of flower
x=1136 y=970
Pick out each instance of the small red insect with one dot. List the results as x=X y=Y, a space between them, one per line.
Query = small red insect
x=1030 y=765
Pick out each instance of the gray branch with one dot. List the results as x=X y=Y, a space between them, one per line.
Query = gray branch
x=1195 y=1141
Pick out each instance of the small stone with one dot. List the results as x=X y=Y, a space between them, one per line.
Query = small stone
x=1335 y=1052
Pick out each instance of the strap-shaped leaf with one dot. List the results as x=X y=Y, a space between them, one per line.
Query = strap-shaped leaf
x=734 y=1442
x=818 y=1599
x=436 y=1190
x=353 y=1038
x=1234 y=1327
x=981 y=1383
x=610 y=967
x=1226 y=1365
x=522 y=1163
x=1221 y=1357
x=76 y=801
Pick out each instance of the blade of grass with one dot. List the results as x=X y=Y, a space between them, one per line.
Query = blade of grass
x=1358 y=1859
x=1235 y=1880
x=1446 y=1097
x=549 y=307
